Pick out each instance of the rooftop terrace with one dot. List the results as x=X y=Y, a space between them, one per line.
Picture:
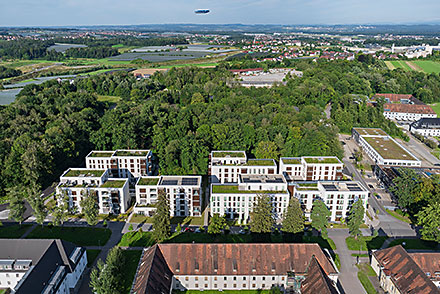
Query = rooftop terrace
x=138 y=153
x=101 y=154
x=84 y=173
x=233 y=189
x=253 y=162
x=291 y=160
x=180 y=181
x=114 y=184
x=148 y=181
x=388 y=148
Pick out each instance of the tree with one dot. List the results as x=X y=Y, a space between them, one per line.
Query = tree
x=319 y=217
x=261 y=217
x=16 y=204
x=61 y=211
x=293 y=221
x=162 y=218
x=429 y=219
x=267 y=150
x=90 y=208
x=355 y=218
x=406 y=187
x=108 y=277
x=216 y=224
x=37 y=204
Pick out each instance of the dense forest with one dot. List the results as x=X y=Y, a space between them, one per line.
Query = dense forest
x=91 y=52
x=6 y=72
x=185 y=113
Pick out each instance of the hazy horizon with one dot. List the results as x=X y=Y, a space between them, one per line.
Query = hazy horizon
x=54 y=13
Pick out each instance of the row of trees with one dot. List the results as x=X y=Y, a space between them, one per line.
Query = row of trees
x=91 y=52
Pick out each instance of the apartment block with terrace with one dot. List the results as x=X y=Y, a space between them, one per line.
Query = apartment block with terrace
x=183 y=192
x=311 y=168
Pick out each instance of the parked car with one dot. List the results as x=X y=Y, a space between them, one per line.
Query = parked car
x=197 y=230
x=188 y=229
x=242 y=231
x=371 y=186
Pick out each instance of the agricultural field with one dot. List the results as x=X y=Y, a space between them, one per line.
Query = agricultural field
x=427 y=66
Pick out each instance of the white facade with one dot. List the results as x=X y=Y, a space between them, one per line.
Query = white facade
x=122 y=163
x=311 y=168
x=227 y=166
x=338 y=196
x=183 y=192
x=112 y=194
x=236 y=201
x=407 y=116
x=382 y=149
x=426 y=127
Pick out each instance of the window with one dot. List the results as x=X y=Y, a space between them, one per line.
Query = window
x=244 y=285
x=235 y=286
x=226 y=278
x=235 y=278
x=197 y=285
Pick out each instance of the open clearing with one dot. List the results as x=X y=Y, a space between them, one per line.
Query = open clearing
x=427 y=66
x=436 y=108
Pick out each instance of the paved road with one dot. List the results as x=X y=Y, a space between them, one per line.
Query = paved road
x=348 y=272
x=420 y=150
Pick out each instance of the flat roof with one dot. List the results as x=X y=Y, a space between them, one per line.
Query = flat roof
x=111 y=183
x=370 y=132
x=101 y=154
x=340 y=186
x=322 y=160
x=260 y=162
x=136 y=153
x=388 y=148
x=180 y=181
x=225 y=154
x=90 y=173
x=233 y=189
x=305 y=186
x=263 y=179
x=291 y=160
x=148 y=181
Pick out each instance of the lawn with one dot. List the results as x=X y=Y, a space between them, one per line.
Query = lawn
x=82 y=236
x=365 y=243
x=13 y=231
x=399 y=216
x=436 y=108
x=415 y=244
x=400 y=64
x=3 y=291
x=137 y=239
x=131 y=262
x=365 y=271
x=428 y=66
x=92 y=254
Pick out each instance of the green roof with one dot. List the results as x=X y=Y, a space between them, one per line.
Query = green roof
x=307 y=186
x=388 y=149
x=238 y=154
x=233 y=189
x=291 y=160
x=370 y=131
x=84 y=172
x=321 y=159
x=131 y=153
x=260 y=162
x=114 y=184
x=101 y=154
x=148 y=182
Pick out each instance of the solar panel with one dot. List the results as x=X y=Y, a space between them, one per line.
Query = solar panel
x=330 y=187
x=190 y=181
x=274 y=181
x=354 y=188
x=169 y=182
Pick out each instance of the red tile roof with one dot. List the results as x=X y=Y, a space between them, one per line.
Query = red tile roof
x=408 y=108
x=317 y=281
x=429 y=262
x=395 y=97
x=404 y=271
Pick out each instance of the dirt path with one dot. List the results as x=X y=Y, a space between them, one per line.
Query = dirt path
x=389 y=65
x=413 y=66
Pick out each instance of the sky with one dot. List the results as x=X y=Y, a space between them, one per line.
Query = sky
x=120 y=12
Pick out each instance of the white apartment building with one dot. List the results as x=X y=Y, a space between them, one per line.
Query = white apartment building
x=382 y=149
x=227 y=166
x=184 y=193
x=427 y=127
x=112 y=194
x=338 y=196
x=311 y=168
x=122 y=163
x=40 y=266
x=236 y=200
x=234 y=267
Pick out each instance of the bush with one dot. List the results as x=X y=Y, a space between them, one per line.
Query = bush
x=130 y=227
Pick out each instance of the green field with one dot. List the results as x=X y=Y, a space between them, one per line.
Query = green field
x=13 y=231
x=427 y=66
x=131 y=262
x=111 y=99
x=92 y=254
x=436 y=108
x=82 y=236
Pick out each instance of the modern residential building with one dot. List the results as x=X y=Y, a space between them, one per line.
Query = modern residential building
x=386 y=174
x=184 y=193
x=41 y=266
x=311 y=168
x=226 y=166
x=428 y=127
x=338 y=196
x=403 y=273
x=112 y=194
x=122 y=163
x=382 y=149
x=296 y=268
x=235 y=201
